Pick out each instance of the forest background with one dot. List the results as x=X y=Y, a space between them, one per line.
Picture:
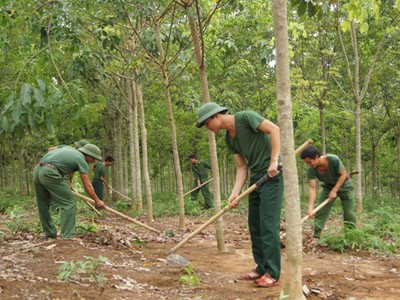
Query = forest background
x=124 y=75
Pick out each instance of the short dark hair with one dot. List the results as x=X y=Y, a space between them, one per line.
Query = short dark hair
x=192 y=156
x=109 y=158
x=311 y=152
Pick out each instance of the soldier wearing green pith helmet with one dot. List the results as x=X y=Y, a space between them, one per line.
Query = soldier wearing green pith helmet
x=255 y=144
x=51 y=185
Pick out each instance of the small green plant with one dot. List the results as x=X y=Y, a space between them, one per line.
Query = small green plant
x=169 y=233
x=122 y=205
x=20 y=223
x=87 y=227
x=90 y=267
x=189 y=277
x=140 y=243
x=282 y=296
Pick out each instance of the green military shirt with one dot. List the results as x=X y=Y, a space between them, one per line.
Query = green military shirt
x=99 y=171
x=331 y=176
x=200 y=170
x=67 y=160
x=253 y=144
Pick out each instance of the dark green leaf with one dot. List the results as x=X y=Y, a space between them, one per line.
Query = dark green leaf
x=311 y=9
x=39 y=98
x=17 y=112
x=9 y=104
x=302 y=8
x=41 y=84
x=26 y=93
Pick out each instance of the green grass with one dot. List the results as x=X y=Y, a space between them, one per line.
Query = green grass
x=377 y=231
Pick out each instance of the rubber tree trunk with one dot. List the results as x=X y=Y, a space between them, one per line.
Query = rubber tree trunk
x=353 y=70
x=136 y=153
x=145 y=161
x=119 y=163
x=131 y=130
x=292 y=281
x=174 y=144
x=199 y=53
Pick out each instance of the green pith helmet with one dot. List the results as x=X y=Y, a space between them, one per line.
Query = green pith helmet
x=207 y=111
x=81 y=143
x=91 y=150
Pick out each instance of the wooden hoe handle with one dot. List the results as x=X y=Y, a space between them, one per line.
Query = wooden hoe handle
x=259 y=183
x=117 y=213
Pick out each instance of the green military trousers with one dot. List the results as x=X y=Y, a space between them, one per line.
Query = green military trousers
x=204 y=191
x=349 y=216
x=98 y=188
x=51 y=186
x=265 y=205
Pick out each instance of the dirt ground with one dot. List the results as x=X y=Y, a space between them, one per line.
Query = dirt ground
x=137 y=266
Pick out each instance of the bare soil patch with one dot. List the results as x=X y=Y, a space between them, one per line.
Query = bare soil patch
x=137 y=267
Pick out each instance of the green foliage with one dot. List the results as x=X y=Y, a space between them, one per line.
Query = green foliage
x=378 y=231
x=83 y=228
x=189 y=277
x=89 y=267
x=19 y=221
x=282 y=296
x=166 y=204
x=139 y=243
x=170 y=233
x=122 y=205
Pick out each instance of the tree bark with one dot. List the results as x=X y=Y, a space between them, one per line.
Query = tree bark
x=132 y=148
x=199 y=53
x=136 y=153
x=145 y=162
x=118 y=152
x=292 y=282
x=174 y=144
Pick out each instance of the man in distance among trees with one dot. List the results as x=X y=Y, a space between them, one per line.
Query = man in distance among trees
x=100 y=174
x=199 y=169
x=255 y=144
x=330 y=171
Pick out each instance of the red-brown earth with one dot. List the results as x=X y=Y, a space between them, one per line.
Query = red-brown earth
x=137 y=266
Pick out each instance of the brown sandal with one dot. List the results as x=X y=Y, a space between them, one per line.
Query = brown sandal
x=266 y=281
x=253 y=275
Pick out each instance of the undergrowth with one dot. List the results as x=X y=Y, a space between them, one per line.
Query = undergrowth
x=377 y=231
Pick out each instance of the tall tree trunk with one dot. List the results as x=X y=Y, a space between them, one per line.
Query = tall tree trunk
x=145 y=163
x=292 y=282
x=174 y=143
x=199 y=52
x=358 y=94
x=132 y=144
x=138 y=172
x=119 y=162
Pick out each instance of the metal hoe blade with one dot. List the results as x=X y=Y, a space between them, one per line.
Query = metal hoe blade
x=175 y=260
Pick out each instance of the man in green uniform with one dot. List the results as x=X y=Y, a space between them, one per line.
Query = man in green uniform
x=51 y=184
x=255 y=145
x=199 y=169
x=336 y=182
x=100 y=174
